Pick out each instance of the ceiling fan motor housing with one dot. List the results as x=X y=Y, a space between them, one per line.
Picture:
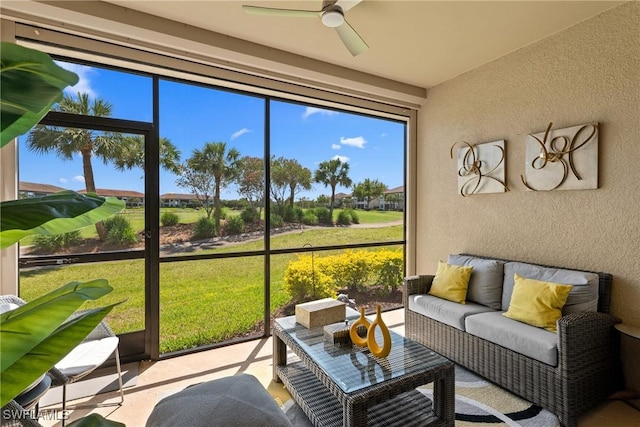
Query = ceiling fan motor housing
x=333 y=17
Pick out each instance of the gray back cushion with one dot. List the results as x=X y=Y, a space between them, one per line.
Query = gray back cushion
x=485 y=284
x=583 y=295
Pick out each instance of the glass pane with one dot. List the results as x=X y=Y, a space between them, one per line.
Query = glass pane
x=331 y=169
x=213 y=198
x=108 y=93
x=53 y=159
x=210 y=301
x=368 y=276
x=126 y=278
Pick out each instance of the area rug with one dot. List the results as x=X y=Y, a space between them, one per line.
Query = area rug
x=478 y=403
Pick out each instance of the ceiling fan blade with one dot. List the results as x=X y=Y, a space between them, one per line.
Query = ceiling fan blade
x=268 y=11
x=351 y=39
x=347 y=4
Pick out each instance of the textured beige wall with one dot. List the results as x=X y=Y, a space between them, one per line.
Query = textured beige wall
x=587 y=73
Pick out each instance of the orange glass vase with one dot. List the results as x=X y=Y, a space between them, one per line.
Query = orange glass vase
x=353 y=330
x=376 y=350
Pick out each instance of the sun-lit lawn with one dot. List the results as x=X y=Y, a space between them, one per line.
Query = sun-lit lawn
x=201 y=301
x=372 y=217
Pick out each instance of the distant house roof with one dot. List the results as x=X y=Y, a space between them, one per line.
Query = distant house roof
x=116 y=193
x=176 y=196
x=38 y=188
x=399 y=189
x=341 y=195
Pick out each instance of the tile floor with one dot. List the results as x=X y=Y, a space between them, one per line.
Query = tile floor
x=254 y=357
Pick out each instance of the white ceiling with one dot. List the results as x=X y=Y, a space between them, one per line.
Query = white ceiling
x=422 y=43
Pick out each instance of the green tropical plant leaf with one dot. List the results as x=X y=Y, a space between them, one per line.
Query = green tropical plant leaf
x=48 y=352
x=57 y=213
x=31 y=83
x=35 y=336
x=95 y=420
x=26 y=326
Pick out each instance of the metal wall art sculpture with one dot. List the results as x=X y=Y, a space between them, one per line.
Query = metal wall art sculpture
x=481 y=167
x=564 y=159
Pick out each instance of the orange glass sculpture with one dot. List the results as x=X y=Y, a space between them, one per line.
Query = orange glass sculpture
x=353 y=330
x=376 y=350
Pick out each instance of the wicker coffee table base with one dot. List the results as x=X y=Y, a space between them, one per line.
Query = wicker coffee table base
x=410 y=409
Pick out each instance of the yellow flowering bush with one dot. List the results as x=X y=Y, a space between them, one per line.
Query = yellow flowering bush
x=302 y=282
x=389 y=267
x=351 y=270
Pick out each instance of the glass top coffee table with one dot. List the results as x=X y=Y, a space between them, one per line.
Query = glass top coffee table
x=347 y=386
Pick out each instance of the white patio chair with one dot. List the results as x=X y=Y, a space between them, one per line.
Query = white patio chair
x=91 y=353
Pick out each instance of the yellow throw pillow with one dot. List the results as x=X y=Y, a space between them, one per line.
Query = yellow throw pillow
x=537 y=303
x=451 y=282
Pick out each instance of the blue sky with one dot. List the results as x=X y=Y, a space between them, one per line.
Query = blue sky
x=192 y=115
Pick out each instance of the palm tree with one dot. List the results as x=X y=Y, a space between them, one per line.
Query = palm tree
x=222 y=164
x=299 y=179
x=369 y=189
x=131 y=154
x=331 y=173
x=125 y=152
x=394 y=199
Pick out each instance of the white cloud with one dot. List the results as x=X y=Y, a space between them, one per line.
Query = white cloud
x=239 y=133
x=343 y=159
x=335 y=146
x=63 y=180
x=78 y=178
x=383 y=134
x=314 y=110
x=84 y=83
x=357 y=141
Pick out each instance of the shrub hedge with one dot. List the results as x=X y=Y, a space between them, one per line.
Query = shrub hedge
x=204 y=228
x=324 y=216
x=235 y=225
x=344 y=218
x=323 y=277
x=54 y=243
x=119 y=231
x=167 y=219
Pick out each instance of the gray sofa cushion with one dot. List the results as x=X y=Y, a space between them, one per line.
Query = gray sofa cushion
x=231 y=401
x=517 y=336
x=583 y=295
x=449 y=312
x=485 y=285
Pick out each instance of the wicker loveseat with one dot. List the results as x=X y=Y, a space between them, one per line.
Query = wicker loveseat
x=566 y=373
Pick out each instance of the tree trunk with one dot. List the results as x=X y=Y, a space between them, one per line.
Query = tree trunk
x=90 y=187
x=216 y=202
x=333 y=196
x=292 y=195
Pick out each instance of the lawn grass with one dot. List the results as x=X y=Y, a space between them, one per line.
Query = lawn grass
x=201 y=301
x=373 y=217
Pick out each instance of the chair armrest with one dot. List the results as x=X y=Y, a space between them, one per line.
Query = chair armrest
x=57 y=377
x=586 y=337
x=415 y=285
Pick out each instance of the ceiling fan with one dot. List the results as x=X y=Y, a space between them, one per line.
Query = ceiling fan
x=331 y=14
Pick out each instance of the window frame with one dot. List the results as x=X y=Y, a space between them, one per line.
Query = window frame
x=86 y=51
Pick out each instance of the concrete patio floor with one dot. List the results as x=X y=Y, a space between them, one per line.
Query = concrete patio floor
x=156 y=379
